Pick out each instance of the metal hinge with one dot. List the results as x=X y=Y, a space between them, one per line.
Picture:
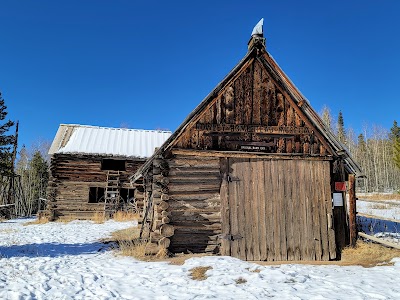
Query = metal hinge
x=230 y=237
x=231 y=179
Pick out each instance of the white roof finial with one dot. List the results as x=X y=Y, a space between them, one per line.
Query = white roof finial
x=258 y=29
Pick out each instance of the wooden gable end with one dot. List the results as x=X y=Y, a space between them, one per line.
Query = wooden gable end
x=252 y=113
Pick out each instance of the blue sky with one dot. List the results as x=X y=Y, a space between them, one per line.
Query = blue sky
x=147 y=64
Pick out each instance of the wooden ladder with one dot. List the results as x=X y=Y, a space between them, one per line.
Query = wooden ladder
x=111 y=196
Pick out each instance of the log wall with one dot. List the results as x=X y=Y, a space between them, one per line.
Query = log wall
x=186 y=204
x=194 y=203
x=71 y=177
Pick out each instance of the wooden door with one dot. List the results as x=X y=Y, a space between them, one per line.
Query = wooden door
x=277 y=210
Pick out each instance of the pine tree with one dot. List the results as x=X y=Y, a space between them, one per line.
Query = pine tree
x=394 y=132
x=396 y=152
x=361 y=142
x=40 y=171
x=341 y=132
x=394 y=136
x=6 y=141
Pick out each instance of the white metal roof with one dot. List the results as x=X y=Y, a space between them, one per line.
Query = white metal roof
x=84 y=139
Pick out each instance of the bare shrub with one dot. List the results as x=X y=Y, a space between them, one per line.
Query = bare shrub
x=199 y=273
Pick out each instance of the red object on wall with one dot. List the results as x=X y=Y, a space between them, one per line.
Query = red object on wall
x=340 y=186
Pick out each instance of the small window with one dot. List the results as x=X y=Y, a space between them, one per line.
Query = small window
x=96 y=194
x=127 y=194
x=113 y=164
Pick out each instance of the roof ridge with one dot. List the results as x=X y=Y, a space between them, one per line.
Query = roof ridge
x=114 y=128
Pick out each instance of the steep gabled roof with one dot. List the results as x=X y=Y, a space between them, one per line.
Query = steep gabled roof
x=95 y=140
x=258 y=52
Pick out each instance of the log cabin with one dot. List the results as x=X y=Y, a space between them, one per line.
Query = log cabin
x=252 y=172
x=90 y=168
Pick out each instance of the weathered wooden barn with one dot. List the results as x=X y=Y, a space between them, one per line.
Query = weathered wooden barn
x=90 y=168
x=252 y=172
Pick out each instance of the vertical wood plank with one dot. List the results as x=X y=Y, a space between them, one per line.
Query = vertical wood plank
x=288 y=189
x=235 y=216
x=282 y=207
x=269 y=210
x=328 y=202
x=264 y=98
x=352 y=210
x=323 y=213
x=241 y=207
x=248 y=94
x=302 y=213
x=257 y=93
x=310 y=183
x=225 y=208
x=276 y=214
x=316 y=208
x=297 y=227
x=262 y=197
x=248 y=196
x=239 y=99
x=255 y=207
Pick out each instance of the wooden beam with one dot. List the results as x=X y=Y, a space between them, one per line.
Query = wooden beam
x=238 y=154
x=352 y=210
x=378 y=240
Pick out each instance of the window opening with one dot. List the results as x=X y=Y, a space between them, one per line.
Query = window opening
x=96 y=194
x=113 y=164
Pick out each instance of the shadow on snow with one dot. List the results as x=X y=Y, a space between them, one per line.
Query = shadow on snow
x=51 y=249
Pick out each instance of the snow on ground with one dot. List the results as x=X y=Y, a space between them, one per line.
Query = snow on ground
x=386 y=208
x=385 y=229
x=66 y=261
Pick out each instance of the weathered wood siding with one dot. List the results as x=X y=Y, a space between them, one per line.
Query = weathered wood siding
x=277 y=210
x=194 y=203
x=71 y=176
x=253 y=113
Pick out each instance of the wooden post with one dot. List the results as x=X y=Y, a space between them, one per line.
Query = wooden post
x=352 y=210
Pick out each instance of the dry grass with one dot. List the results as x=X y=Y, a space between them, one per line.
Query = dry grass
x=134 y=248
x=240 y=280
x=98 y=217
x=122 y=216
x=369 y=255
x=256 y=270
x=40 y=220
x=126 y=234
x=378 y=196
x=129 y=243
x=199 y=273
x=7 y=231
x=162 y=254
x=66 y=219
x=179 y=259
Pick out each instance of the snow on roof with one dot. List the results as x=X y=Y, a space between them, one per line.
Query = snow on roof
x=84 y=139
